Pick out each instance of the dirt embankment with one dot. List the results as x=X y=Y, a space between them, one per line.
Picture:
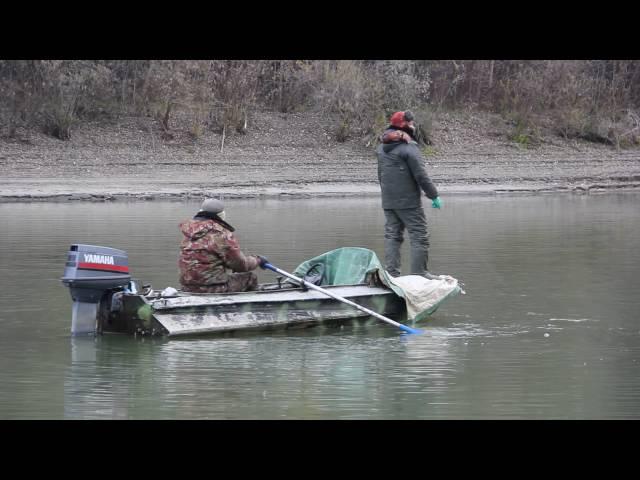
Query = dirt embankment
x=293 y=155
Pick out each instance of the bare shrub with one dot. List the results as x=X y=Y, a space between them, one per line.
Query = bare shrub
x=65 y=90
x=424 y=125
x=364 y=93
x=446 y=78
x=233 y=85
x=58 y=122
x=197 y=121
x=570 y=123
x=21 y=83
x=380 y=121
x=623 y=130
x=287 y=85
x=129 y=81
x=341 y=92
x=165 y=88
x=403 y=83
x=524 y=135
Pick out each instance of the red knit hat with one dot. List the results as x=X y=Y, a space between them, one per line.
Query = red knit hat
x=397 y=120
x=401 y=119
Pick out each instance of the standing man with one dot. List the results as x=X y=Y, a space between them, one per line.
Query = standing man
x=210 y=259
x=402 y=177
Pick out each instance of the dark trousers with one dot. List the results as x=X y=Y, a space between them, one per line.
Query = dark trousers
x=238 y=282
x=415 y=222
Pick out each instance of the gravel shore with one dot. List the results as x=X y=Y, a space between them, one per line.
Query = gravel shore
x=294 y=155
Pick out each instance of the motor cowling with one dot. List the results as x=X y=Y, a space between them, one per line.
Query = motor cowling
x=89 y=273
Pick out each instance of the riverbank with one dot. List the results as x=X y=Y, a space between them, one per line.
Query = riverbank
x=294 y=155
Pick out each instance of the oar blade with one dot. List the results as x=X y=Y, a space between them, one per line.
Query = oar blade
x=412 y=331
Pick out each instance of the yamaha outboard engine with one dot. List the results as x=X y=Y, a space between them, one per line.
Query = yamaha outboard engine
x=90 y=272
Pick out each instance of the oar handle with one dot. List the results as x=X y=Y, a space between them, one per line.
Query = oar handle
x=342 y=299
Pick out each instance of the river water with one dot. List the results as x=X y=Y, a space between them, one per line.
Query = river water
x=549 y=327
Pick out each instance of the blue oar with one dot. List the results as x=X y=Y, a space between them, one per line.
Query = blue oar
x=337 y=297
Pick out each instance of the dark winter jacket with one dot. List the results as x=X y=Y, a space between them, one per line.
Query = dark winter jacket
x=402 y=175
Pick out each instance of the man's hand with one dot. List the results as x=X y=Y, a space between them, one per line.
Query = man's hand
x=261 y=261
x=436 y=203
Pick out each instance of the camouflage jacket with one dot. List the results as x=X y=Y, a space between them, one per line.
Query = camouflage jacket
x=207 y=251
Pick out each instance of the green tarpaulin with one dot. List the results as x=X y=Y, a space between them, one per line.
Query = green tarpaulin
x=351 y=265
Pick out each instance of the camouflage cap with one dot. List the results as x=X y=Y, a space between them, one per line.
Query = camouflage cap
x=212 y=205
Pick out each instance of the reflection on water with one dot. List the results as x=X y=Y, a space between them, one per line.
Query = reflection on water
x=548 y=328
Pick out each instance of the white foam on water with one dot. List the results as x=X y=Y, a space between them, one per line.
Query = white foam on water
x=574 y=320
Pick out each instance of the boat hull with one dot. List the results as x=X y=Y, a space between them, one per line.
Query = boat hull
x=196 y=314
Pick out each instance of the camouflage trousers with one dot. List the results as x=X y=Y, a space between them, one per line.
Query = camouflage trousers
x=238 y=282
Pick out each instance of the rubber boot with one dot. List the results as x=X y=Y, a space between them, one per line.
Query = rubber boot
x=392 y=256
x=419 y=257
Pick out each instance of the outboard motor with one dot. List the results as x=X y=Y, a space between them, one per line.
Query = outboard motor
x=90 y=272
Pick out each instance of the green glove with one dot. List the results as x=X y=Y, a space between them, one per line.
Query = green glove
x=436 y=203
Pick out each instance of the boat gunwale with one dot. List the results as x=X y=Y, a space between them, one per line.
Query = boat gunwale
x=237 y=297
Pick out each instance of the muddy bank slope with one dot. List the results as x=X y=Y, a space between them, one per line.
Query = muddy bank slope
x=294 y=155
